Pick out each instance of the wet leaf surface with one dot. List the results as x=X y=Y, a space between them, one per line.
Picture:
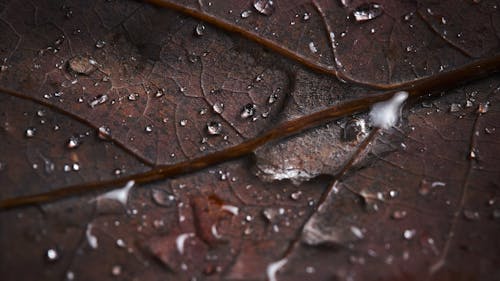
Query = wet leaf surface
x=107 y=92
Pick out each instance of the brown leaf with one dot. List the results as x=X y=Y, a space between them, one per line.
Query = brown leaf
x=167 y=104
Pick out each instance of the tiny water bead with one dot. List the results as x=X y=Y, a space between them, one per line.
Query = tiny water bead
x=408 y=234
x=52 y=255
x=100 y=44
x=30 y=132
x=313 y=48
x=218 y=107
x=214 y=128
x=265 y=7
x=81 y=65
x=73 y=142
x=245 y=14
x=133 y=97
x=367 y=11
x=98 y=100
x=199 y=29
x=248 y=110
x=104 y=132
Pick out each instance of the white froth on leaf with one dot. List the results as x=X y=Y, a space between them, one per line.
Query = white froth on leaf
x=273 y=268
x=120 y=195
x=385 y=114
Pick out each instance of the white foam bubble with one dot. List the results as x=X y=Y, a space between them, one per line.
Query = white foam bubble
x=385 y=114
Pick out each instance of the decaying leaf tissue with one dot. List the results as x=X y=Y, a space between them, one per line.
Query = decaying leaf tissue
x=249 y=140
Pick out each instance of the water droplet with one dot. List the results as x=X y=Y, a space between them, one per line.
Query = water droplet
x=248 y=110
x=393 y=193
x=296 y=195
x=40 y=113
x=455 y=107
x=133 y=97
x=116 y=270
x=162 y=197
x=367 y=11
x=192 y=58
x=52 y=255
x=357 y=232
x=274 y=96
x=199 y=29
x=471 y=215
x=214 y=128
x=30 y=132
x=104 y=132
x=218 y=107
x=398 y=214
x=265 y=7
x=312 y=48
x=259 y=77
x=149 y=128
x=75 y=166
x=70 y=275
x=81 y=65
x=489 y=131
x=245 y=14
x=73 y=142
x=100 y=44
x=183 y=123
x=409 y=234
x=120 y=243
x=98 y=100
x=306 y=16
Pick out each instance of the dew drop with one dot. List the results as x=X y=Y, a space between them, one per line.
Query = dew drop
x=148 y=128
x=471 y=215
x=52 y=255
x=312 y=48
x=296 y=195
x=214 y=128
x=367 y=11
x=100 y=44
x=73 y=142
x=98 y=100
x=120 y=243
x=265 y=7
x=116 y=270
x=192 y=58
x=162 y=197
x=248 y=110
x=133 y=97
x=218 y=107
x=274 y=96
x=104 y=132
x=306 y=16
x=199 y=29
x=489 y=130
x=245 y=14
x=357 y=232
x=455 y=107
x=409 y=234
x=183 y=123
x=81 y=65
x=30 y=132
x=398 y=214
